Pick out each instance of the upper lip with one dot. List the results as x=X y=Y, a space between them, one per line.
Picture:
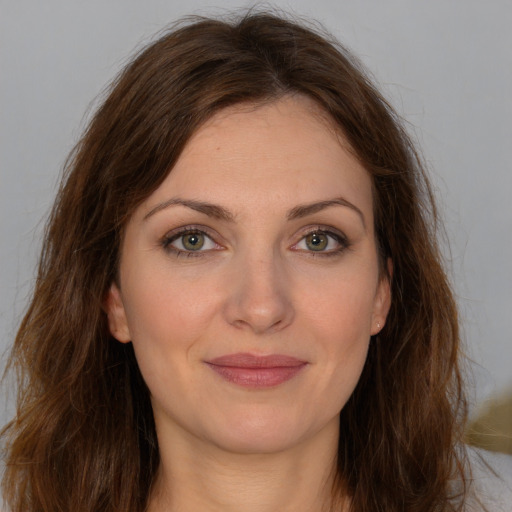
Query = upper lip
x=246 y=360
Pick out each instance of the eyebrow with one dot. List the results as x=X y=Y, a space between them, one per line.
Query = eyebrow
x=308 y=209
x=218 y=212
x=212 y=210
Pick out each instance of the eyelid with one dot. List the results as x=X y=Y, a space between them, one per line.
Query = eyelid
x=341 y=239
x=174 y=234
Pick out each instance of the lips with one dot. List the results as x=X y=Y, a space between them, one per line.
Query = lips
x=253 y=371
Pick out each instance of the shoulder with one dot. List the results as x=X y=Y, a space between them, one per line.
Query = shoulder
x=492 y=479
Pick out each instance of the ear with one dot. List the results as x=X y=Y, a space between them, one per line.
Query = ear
x=114 y=308
x=382 y=301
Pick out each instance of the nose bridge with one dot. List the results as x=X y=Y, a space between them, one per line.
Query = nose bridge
x=260 y=298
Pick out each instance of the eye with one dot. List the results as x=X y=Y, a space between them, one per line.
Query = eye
x=322 y=241
x=317 y=241
x=189 y=241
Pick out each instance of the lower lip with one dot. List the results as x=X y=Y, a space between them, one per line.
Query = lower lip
x=257 y=377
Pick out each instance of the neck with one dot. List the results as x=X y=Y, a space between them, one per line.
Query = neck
x=198 y=476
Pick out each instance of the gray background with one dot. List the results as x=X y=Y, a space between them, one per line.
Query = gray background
x=445 y=65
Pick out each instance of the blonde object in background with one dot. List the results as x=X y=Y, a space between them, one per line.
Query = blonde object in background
x=491 y=429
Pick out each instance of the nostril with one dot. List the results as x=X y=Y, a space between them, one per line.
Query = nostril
x=259 y=314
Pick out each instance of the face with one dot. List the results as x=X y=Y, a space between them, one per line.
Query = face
x=249 y=281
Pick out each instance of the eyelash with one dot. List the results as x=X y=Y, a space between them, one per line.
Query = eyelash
x=339 y=238
x=169 y=238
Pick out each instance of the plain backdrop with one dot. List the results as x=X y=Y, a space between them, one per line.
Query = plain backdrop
x=445 y=65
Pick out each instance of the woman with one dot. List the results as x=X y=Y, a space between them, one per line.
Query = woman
x=240 y=303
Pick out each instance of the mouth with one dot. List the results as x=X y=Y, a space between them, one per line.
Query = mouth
x=251 y=371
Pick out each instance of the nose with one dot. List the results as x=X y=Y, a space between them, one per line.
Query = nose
x=259 y=296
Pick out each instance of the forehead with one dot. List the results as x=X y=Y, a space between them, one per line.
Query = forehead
x=265 y=156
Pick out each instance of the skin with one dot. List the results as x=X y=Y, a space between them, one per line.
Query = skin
x=256 y=286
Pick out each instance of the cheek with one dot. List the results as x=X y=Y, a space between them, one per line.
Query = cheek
x=159 y=304
x=166 y=317
x=342 y=305
x=340 y=316
x=166 y=321
x=344 y=334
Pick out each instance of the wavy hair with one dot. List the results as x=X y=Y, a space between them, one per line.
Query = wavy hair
x=83 y=437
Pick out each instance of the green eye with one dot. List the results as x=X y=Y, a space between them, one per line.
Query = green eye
x=189 y=241
x=317 y=241
x=193 y=241
x=322 y=243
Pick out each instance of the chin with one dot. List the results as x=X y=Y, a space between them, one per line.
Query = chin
x=266 y=432
x=257 y=441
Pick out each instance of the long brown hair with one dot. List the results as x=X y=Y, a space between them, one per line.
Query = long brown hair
x=83 y=437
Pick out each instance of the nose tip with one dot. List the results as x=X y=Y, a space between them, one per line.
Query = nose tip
x=260 y=301
x=261 y=320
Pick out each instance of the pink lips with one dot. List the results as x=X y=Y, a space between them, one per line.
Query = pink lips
x=256 y=371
